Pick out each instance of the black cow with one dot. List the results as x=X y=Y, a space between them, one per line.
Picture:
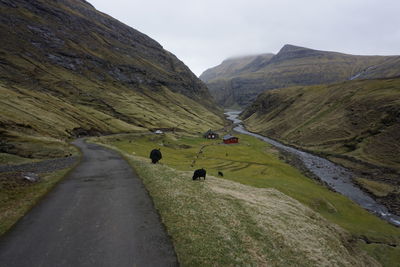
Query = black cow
x=155 y=155
x=220 y=174
x=199 y=173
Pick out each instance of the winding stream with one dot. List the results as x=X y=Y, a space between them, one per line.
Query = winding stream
x=337 y=177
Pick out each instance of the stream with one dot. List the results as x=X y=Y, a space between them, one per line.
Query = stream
x=336 y=176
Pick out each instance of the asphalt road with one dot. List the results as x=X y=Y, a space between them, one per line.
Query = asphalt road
x=100 y=215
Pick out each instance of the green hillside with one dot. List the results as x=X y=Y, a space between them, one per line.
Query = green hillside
x=293 y=66
x=388 y=68
x=355 y=123
x=68 y=70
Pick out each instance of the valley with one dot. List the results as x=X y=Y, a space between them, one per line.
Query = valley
x=333 y=176
x=85 y=98
x=342 y=107
x=355 y=124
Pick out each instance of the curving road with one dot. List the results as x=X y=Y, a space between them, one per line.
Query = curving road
x=100 y=215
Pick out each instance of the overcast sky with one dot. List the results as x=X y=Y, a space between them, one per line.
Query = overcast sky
x=202 y=33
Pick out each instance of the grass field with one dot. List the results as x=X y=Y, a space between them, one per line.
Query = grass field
x=18 y=197
x=255 y=164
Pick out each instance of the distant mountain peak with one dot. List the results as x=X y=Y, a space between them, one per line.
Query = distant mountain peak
x=291 y=48
x=288 y=52
x=86 y=3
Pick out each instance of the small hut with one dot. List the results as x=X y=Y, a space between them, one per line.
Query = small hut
x=210 y=135
x=230 y=139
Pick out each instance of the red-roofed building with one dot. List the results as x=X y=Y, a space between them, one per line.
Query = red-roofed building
x=230 y=139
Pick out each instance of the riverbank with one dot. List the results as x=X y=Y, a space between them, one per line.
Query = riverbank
x=336 y=177
x=381 y=184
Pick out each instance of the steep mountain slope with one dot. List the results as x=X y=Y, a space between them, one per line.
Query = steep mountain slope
x=218 y=79
x=67 y=69
x=388 y=68
x=355 y=123
x=295 y=66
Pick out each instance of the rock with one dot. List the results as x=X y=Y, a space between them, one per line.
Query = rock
x=9 y=3
x=31 y=177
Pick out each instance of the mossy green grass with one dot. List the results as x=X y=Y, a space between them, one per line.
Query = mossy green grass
x=18 y=197
x=255 y=163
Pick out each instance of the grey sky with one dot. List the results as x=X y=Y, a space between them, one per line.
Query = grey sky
x=202 y=33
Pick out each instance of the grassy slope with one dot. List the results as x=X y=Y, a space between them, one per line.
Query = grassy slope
x=66 y=66
x=388 y=68
x=353 y=123
x=253 y=163
x=27 y=114
x=358 y=119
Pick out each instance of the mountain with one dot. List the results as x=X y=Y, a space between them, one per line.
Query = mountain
x=388 y=68
x=219 y=78
x=236 y=65
x=292 y=66
x=354 y=123
x=67 y=69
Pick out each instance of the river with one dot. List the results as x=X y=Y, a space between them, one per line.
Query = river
x=336 y=176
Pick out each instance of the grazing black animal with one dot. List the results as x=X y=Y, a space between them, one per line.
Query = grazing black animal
x=220 y=174
x=199 y=173
x=155 y=155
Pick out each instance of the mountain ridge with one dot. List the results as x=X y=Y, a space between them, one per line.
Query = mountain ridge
x=292 y=66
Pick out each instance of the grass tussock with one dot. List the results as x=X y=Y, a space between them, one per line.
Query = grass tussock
x=10 y=159
x=377 y=188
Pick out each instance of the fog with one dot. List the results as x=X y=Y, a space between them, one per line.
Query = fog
x=204 y=33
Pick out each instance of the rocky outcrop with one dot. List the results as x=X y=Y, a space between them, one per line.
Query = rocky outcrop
x=71 y=34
